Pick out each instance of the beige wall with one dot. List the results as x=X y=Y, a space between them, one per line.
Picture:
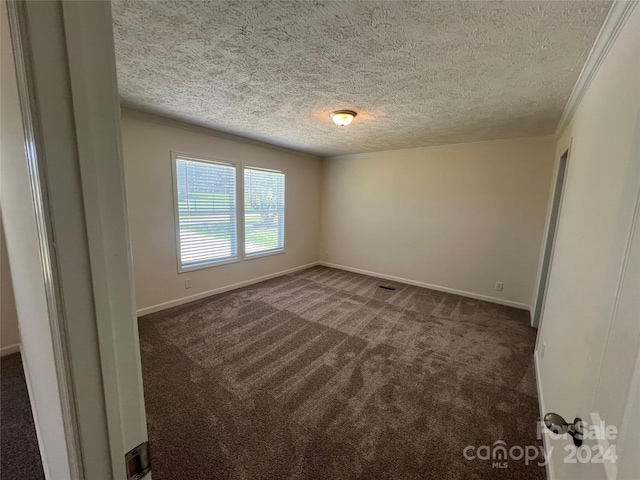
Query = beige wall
x=593 y=232
x=461 y=217
x=9 y=333
x=147 y=146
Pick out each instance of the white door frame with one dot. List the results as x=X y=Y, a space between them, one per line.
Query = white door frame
x=65 y=63
x=548 y=244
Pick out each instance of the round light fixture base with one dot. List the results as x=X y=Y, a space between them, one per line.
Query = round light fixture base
x=343 y=117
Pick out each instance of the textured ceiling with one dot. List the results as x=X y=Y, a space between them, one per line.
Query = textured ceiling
x=418 y=73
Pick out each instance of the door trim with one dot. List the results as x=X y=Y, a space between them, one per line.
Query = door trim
x=543 y=277
x=65 y=58
x=23 y=60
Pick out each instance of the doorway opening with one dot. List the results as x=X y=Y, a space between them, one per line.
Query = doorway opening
x=551 y=237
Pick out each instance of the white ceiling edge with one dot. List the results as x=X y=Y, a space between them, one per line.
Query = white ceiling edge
x=533 y=139
x=612 y=26
x=175 y=123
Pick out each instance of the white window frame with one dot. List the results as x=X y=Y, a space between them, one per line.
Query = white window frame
x=266 y=253
x=176 y=210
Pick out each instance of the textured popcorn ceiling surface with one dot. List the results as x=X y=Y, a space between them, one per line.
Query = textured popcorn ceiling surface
x=418 y=73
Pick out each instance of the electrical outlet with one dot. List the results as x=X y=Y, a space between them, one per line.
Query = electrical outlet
x=327 y=254
x=187 y=283
x=499 y=286
x=542 y=349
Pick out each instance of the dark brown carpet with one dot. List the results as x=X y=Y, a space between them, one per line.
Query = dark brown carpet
x=323 y=375
x=19 y=452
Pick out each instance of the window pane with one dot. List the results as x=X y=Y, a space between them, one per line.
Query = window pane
x=206 y=211
x=263 y=211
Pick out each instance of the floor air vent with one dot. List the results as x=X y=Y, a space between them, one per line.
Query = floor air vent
x=387 y=288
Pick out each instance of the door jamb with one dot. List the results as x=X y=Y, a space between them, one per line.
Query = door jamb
x=77 y=187
x=545 y=277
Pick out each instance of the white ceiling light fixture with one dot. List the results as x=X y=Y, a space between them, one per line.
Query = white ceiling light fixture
x=343 y=117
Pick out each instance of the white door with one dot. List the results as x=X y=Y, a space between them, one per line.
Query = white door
x=617 y=399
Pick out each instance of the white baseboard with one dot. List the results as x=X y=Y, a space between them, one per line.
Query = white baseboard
x=476 y=296
x=545 y=439
x=531 y=318
x=191 y=298
x=9 y=349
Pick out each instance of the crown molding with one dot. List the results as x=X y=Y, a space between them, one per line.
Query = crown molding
x=171 y=122
x=617 y=17
x=498 y=141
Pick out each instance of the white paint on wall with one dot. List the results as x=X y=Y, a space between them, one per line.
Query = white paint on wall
x=461 y=217
x=593 y=234
x=147 y=149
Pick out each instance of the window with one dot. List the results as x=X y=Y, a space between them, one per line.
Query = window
x=206 y=212
x=263 y=211
x=209 y=222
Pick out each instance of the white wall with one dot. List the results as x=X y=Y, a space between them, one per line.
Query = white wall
x=593 y=233
x=9 y=332
x=458 y=216
x=147 y=147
